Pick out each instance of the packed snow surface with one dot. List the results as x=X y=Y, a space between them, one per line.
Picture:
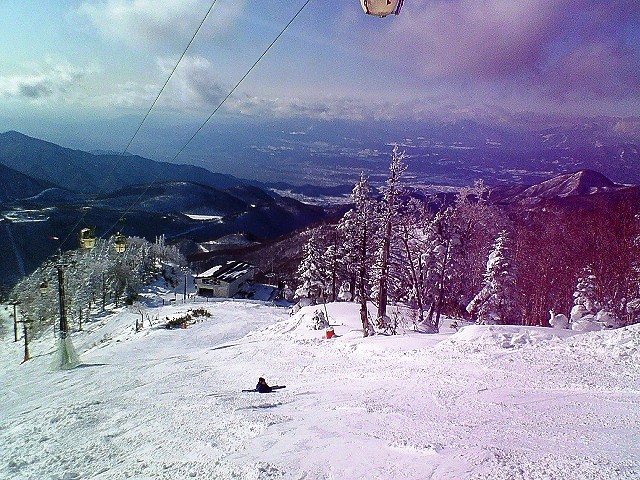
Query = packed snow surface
x=486 y=402
x=194 y=216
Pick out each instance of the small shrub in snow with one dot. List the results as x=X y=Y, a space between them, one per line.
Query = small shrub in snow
x=608 y=319
x=345 y=292
x=319 y=320
x=578 y=312
x=191 y=317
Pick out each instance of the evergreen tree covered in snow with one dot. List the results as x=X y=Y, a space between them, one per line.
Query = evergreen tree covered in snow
x=323 y=265
x=584 y=296
x=333 y=262
x=588 y=312
x=310 y=275
x=497 y=301
x=582 y=315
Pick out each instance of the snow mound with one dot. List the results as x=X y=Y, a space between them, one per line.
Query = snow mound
x=483 y=337
x=619 y=343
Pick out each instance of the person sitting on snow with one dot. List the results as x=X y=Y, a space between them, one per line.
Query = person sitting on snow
x=262 y=386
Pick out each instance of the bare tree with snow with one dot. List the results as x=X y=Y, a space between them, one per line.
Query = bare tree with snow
x=358 y=226
x=388 y=218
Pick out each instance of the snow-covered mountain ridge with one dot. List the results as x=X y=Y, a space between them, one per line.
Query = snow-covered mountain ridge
x=482 y=403
x=575 y=184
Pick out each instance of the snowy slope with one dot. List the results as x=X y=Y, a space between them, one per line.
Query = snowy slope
x=483 y=403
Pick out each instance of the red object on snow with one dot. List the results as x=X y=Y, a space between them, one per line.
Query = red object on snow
x=330 y=333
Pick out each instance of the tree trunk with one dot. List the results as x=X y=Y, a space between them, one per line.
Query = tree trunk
x=384 y=273
x=441 y=286
x=414 y=277
x=362 y=287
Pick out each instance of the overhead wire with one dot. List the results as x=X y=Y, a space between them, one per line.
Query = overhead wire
x=144 y=119
x=217 y=108
x=204 y=19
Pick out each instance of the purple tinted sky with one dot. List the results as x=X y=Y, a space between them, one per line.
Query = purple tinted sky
x=105 y=59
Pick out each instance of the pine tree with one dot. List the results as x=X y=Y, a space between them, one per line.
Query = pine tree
x=497 y=301
x=312 y=281
x=585 y=292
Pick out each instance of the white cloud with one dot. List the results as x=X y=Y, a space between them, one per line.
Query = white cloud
x=193 y=87
x=158 y=22
x=51 y=80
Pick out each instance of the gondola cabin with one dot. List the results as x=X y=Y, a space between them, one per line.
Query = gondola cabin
x=120 y=243
x=87 y=238
x=381 y=8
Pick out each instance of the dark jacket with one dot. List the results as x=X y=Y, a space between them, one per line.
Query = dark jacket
x=263 y=387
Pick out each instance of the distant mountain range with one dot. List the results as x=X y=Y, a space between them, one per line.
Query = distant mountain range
x=84 y=172
x=47 y=191
x=577 y=184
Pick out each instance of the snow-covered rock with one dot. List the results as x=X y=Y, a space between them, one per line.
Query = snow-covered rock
x=559 y=320
x=577 y=312
x=586 y=324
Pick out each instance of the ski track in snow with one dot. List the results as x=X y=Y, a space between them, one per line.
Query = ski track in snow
x=166 y=404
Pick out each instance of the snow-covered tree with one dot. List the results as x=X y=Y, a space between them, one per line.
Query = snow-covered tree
x=311 y=277
x=584 y=296
x=358 y=226
x=333 y=263
x=415 y=277
x=496 y=302
x=389 y=210
x=588 y=312
x=478 y=224
x=442 y=260
x=91 y=277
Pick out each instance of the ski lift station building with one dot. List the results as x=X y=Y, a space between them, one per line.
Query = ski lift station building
x=224 y=281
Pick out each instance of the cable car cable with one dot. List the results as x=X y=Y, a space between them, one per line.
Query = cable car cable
x=169 y=77
x=240 y=81
x=148 y=187
x=135 y=134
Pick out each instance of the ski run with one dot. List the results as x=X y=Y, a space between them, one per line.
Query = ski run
x=479 y=402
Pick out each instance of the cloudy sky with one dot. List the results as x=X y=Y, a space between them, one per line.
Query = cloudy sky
x=68 y=63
